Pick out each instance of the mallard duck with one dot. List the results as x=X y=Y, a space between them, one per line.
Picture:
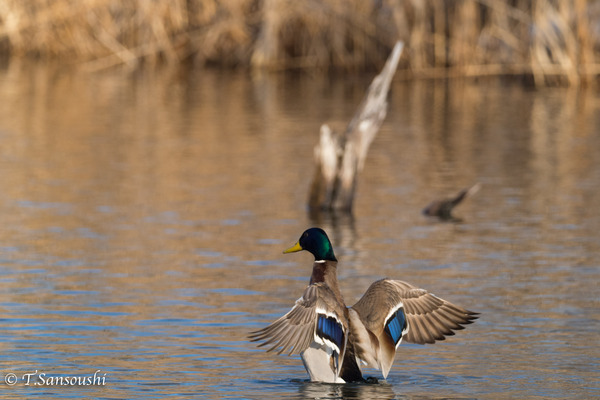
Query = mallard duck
x=334 y=341
x=443 y=208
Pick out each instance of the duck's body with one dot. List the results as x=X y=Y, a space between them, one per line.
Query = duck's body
x=334 y=340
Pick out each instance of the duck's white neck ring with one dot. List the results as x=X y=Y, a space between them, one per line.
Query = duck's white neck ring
x=319 y=261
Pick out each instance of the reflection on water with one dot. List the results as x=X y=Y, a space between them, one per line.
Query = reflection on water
x=381 y=391
x=144 y=218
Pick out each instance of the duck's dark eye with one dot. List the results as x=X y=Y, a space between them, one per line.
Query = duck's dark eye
x=305 y=234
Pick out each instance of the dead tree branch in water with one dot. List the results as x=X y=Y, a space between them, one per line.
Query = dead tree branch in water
x=340 y=156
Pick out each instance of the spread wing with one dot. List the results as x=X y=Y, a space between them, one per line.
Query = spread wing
x=316 y=316
x=390 y=311
x=429 y=317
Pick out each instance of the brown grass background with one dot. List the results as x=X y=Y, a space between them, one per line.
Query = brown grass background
x=549 y=41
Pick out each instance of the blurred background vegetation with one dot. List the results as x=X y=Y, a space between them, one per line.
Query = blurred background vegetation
x=549 y=42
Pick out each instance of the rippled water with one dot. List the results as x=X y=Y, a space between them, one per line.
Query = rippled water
x=144 y=216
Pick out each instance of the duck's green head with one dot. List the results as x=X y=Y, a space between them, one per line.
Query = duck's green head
x=315 y=241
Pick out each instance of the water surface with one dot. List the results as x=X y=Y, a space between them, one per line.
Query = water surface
x=144 y=216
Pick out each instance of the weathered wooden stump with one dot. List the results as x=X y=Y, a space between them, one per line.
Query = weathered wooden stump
x=340 y=156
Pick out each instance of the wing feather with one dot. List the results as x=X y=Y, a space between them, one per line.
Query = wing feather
x=296 y=330
x=429 y=319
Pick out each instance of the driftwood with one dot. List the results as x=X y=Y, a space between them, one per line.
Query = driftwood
x=443 y=208
x=340 y=156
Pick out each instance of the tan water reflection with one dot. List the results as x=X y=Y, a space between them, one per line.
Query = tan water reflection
x=144 y=218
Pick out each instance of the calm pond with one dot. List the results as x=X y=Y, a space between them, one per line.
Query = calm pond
x=144 y=218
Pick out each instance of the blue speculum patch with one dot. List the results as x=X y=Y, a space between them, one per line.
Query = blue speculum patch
x=396 y=324
x=329 y=328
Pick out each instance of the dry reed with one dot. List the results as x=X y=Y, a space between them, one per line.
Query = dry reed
x=552 y=41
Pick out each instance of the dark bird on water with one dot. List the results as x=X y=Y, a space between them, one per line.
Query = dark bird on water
x=443 y=208
x=334 y=340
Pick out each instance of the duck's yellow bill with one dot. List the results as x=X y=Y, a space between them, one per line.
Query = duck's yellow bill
x=294 y=248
